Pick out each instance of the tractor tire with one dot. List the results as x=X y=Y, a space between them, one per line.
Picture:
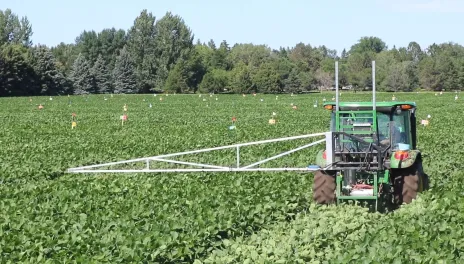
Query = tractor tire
x=408 y=182
x=324 y=188
x=425 y=181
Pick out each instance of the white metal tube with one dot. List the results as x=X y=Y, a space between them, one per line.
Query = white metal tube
x=196 y=170
x=284 y=154
x=373 y=85
x=108 y=164
x=190 y=163
x=198 y=151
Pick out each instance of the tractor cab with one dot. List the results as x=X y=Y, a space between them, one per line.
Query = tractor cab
x=392 y=126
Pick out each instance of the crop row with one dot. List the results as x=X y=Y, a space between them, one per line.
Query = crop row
x=46 y=214
x=428 y=231
x=122 y=218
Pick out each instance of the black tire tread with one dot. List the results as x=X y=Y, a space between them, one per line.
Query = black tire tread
x=407 y=183
x=324 y=188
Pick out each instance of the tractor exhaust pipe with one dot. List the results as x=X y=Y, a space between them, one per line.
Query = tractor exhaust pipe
x=373 y=85
x=336 y=86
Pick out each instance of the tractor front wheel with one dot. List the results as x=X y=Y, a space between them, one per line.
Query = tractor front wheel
x=324 y=188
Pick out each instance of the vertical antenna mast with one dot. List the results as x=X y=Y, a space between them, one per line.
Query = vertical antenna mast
x=373 y=85
x=337 y=120
x=336 y=86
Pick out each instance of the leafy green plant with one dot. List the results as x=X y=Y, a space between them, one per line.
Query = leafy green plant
x=48 y=215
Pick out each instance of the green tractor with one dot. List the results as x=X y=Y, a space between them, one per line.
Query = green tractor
x=372 y=156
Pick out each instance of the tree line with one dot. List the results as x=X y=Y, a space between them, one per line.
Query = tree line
x=161 y=56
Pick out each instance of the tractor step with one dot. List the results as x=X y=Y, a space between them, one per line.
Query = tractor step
x=357 y=197
x=355 y=152
x=357 y=163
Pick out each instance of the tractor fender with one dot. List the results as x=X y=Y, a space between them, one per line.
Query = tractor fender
x=413 y=155
x=320 y=161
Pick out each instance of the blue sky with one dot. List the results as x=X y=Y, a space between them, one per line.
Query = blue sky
x=335 y=23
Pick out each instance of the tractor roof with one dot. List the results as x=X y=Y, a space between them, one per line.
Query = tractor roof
x=368 y=105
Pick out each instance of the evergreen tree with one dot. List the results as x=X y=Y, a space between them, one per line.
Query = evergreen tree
x=50 y=80
x=82 y=77
x=17 y=76
x=343 y=55
x=125 y=80
x=102 y=76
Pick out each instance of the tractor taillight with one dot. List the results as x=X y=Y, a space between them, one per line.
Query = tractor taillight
x=401 y=155
x=324 y=154
x=406 y=107
x=328 y=107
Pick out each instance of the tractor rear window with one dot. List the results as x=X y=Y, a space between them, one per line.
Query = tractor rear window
x=401 y=129
x=383 y=120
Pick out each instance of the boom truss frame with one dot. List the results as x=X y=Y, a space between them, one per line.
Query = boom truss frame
x=211 y=167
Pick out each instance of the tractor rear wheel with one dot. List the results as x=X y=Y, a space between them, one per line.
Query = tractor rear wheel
x=324 y=188
x=426 y=182
x=408 y=182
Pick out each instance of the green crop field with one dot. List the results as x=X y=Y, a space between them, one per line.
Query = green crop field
x=49 y=216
